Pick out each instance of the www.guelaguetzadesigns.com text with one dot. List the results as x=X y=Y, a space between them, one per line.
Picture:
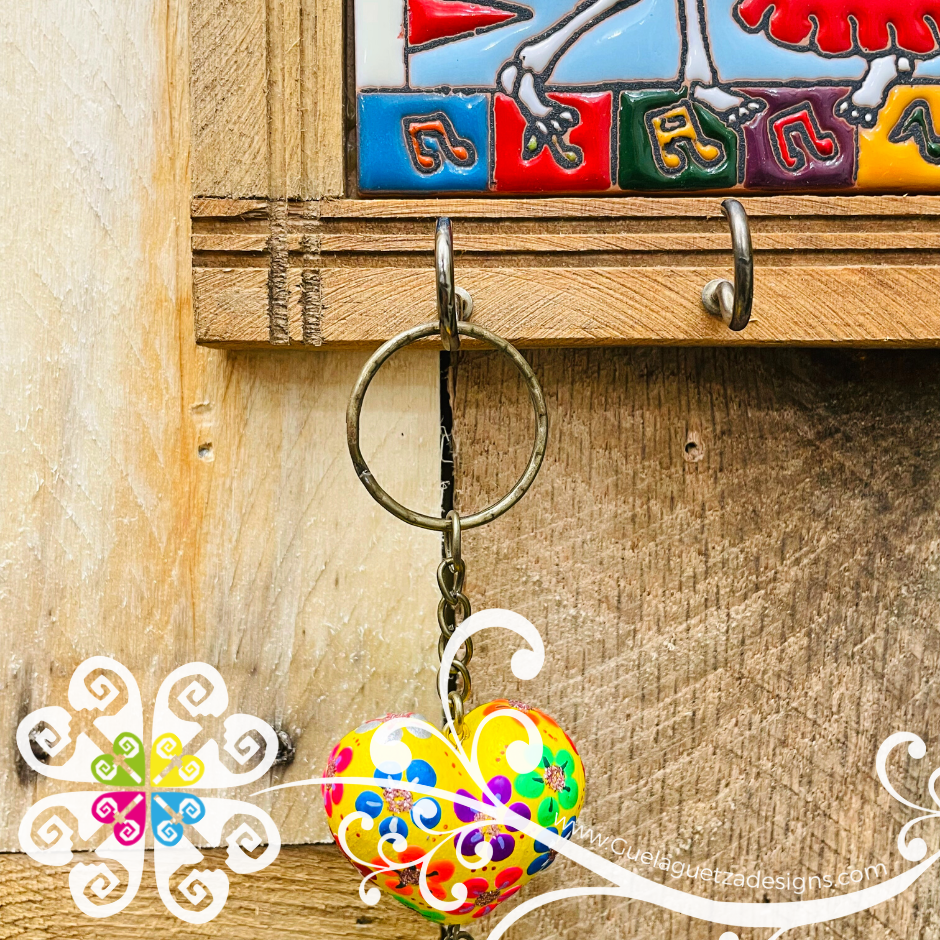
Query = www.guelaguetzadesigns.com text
x=661 y=861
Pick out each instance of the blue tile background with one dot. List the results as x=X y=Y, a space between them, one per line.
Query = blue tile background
x=384 y=163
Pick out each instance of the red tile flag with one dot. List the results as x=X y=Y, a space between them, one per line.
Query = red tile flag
x=429 y=20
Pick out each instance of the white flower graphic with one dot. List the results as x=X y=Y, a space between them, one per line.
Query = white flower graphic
x=110 y=823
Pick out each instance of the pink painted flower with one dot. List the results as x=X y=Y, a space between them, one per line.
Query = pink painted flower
x=333 y=792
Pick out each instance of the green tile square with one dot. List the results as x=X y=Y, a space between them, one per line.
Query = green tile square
x=645 y=164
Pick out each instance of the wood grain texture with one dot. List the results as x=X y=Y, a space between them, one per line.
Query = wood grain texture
x=229 y=90
x=267 y=92
x=612 y=306
x=309 y=893
x=628 y=206
x=164 y=503
x=733 y=558
x=862 y=272
x=327 y=84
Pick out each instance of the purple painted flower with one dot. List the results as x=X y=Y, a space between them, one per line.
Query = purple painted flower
x=489 y=830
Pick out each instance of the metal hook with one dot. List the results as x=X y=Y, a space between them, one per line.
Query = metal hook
x=453 y=303
x=733 y=302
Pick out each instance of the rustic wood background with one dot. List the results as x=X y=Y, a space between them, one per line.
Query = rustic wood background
x=732 y=555
x=162 y=502
x=733 y=558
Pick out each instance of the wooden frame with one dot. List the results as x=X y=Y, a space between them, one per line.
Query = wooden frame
x=285 y=254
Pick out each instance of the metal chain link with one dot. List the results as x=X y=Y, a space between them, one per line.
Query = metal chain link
x=454 y=608
x=455 y=932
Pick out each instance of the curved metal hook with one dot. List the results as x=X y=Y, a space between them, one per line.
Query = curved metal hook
x=733 y=302
x=453 y=303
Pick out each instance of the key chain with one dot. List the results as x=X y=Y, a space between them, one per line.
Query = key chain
x=437 y=819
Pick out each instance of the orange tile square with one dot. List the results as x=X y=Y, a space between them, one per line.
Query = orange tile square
x=902 y=152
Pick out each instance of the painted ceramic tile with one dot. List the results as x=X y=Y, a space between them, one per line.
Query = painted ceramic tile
x=528 y=162
x=606 y=96
x=436 y=143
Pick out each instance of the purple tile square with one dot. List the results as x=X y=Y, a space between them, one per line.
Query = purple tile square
x=798 y=143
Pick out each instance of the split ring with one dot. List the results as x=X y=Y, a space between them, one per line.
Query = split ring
x=354 y=413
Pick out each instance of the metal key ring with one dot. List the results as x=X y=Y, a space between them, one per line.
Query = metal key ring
x=354 y=412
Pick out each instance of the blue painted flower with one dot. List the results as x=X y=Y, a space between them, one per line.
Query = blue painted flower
x=546 y=855
x=424 y=810
x=393 y=824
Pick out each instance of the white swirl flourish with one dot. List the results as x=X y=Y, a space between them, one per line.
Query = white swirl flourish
x=391 y=754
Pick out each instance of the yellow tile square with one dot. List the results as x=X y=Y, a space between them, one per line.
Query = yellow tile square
x=906 y=162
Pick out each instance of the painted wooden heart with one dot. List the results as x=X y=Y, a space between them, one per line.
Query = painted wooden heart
x=435 y=832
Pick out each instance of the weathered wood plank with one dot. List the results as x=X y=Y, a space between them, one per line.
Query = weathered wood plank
x=229 y=98
x=267 y=86
x=328 y=87
x=627 y=206
x=733 y=558
x=526 y=242
x=532 y=306
x=164 y=503
x=859 y=272
x=610 y=208
x=309 y=893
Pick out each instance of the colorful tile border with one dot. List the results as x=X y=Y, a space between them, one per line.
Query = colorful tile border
x=460 y=97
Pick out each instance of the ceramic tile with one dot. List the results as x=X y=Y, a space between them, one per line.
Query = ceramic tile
x=668 y=141
x=648 y=95
x=902 y=152
x=798 y=142
x=380 y=44
x=532 y=161
x=428 y=143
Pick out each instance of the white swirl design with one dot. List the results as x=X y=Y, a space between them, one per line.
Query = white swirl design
x=55 y=828
x=390 y=753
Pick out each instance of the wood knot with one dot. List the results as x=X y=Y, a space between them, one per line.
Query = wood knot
x=694 y=451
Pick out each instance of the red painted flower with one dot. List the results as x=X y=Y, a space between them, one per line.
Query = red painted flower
x=481 y=899
x=333 y=792
x=403 y=881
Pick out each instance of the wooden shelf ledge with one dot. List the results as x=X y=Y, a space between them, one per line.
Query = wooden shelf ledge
x=862 y=271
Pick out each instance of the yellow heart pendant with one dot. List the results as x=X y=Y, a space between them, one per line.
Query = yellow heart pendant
x=411 y=835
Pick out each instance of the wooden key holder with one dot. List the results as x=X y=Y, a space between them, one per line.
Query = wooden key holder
x=289 y=251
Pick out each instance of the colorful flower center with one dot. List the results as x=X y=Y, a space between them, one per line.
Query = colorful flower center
x=408 y=876
x=490 y=831
x=398 y=801
x=521 y=706
x=487 y=897
x=555 y=778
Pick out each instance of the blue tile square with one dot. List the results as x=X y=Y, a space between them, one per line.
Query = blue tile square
x=424 y=142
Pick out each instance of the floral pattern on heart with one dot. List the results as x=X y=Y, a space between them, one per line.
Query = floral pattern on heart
x=415 y=820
